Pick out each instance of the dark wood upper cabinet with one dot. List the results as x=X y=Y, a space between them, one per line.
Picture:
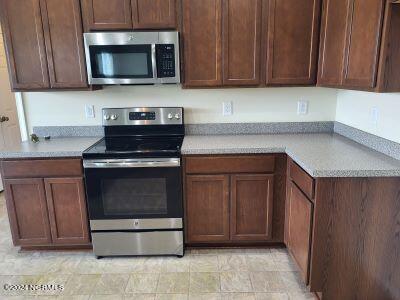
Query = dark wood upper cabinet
x=202 y=37
x=207 y=208
x=64 y=43
x=106 y=14
x=27 y=211
x=67 y=210
x=292 y=41
x=24 y=41
x=364 y=24
x=153 y=14
x=333 y=40
x=299 y=229
x=241 y=42
x=358 y=48
x=251 y=207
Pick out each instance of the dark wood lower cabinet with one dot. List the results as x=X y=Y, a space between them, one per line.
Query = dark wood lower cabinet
x=251 y=207
x=27 y=211
x=67 y=210
x=230 y=199
x=299 y=229
x=207 y=208
x=49 y=210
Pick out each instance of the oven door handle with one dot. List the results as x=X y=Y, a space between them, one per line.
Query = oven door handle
x=131 y=163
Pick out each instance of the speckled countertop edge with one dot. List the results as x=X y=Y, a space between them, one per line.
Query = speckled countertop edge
x=380 y=165
x=56 y=147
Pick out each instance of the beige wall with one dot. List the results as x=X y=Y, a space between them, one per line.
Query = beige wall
x=201 y=106
x=354 y=109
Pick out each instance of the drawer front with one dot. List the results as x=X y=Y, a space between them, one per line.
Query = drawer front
x=230 y=164
x=304 y=181
x=42 y=168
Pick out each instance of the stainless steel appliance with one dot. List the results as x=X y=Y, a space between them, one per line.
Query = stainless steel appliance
x=132 y=57
x=134 y=183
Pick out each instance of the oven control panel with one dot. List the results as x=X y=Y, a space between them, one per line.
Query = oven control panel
x=143 y=116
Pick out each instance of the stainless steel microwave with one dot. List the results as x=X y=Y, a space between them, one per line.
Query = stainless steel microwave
x=132 y=57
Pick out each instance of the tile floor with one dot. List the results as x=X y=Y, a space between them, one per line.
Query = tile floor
x=201 y=274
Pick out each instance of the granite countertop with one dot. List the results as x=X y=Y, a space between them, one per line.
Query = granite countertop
x=321 y=155
x=56 y=147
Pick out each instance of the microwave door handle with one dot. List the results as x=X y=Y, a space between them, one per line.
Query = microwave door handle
x=154 y=61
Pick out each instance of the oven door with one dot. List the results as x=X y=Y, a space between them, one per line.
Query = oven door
x=134 y=194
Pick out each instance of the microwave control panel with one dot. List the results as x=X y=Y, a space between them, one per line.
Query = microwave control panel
x=165 y=60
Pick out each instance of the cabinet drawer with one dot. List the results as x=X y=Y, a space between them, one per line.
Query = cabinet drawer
x=230 y=164
x=42 y=168
x=304 y=181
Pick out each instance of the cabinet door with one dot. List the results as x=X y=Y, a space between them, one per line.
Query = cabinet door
x=24 y=41
x=207 y=208
x=67 y=211
x=332 y=45
x=64 y=43
x=27 y=211
x=241 y=42
x=364 y=28
x=202 y=32
x=154 y=14
x=293 y=34
x=299 y=229
x=251 y=207
x=107 y=14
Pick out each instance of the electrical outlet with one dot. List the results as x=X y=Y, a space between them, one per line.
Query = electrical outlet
x=89 y=111
x=374 y=115
x=302 y=107
x=227 y=108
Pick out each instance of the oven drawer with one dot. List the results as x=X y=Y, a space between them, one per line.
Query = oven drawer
x=138 y=243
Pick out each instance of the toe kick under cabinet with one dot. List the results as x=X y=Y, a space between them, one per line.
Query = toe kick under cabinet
x=234 y=199
x=46 y=203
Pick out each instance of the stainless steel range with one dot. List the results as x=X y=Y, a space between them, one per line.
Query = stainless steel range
x=134 y=183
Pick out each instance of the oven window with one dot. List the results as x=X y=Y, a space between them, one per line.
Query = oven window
x=124 y=61
x=134 y=196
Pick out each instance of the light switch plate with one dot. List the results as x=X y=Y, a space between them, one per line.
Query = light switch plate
x=302 y=107
x=89 y=111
